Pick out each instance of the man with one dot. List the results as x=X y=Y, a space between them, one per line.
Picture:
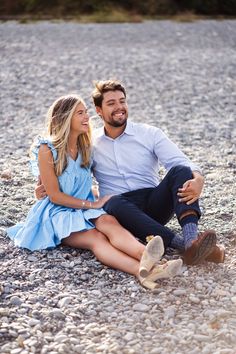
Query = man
x=126 y=162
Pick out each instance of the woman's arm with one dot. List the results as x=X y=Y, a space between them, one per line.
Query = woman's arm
x=51 y=184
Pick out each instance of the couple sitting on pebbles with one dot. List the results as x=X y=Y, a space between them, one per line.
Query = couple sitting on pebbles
x=124 y=158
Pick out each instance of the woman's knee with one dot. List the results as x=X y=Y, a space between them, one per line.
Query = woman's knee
x=105 y=219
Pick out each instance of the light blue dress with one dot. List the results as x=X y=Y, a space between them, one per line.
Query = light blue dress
x=47 y=223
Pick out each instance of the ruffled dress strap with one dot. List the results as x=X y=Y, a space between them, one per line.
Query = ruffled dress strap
x=35 y=151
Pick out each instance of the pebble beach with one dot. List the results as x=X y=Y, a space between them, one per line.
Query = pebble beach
x=180 y=77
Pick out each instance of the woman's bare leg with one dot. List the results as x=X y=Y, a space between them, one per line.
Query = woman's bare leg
x=103 y=250
x=106 y=253
x=119 y=237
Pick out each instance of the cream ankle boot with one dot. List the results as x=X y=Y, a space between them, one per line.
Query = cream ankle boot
x=166 y=270
x=148 y=284
x=151 y=255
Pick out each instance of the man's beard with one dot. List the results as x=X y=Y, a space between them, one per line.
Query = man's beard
x=116 y=123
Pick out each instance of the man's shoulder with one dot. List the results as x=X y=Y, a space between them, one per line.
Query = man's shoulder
x=140 y=127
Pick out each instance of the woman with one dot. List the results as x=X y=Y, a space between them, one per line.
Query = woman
x=69 y=214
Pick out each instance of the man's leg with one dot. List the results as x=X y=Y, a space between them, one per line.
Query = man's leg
x=129 y=210
x=163 y=201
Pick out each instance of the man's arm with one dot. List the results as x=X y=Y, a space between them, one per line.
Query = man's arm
x=170 y=155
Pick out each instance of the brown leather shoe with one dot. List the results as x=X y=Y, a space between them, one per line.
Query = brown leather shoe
x=200 y=248
x=217 y=255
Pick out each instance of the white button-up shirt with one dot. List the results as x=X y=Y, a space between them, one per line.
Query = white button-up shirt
x=131 y=161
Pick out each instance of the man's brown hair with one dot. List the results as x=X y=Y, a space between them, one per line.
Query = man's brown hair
x=102 y=87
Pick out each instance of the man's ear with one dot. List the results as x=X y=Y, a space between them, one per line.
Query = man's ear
x=99 y=111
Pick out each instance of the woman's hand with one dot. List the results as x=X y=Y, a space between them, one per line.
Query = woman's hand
x=100 y=202
x=39 y=190
x=95 y=191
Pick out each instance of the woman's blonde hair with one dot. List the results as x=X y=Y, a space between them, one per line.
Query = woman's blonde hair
x=58 y=128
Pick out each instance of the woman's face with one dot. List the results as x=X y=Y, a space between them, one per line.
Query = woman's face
x=80 y=119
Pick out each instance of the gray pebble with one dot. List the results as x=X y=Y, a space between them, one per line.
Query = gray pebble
x=194 y=299
x=179 y=292
x=32 y=259
x=140 y=307
x=15 y=300
x=33 y=322
x=129 y=336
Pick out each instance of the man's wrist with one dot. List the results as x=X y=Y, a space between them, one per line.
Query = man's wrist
x=197 y=174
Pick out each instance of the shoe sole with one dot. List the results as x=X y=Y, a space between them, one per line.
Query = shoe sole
x=176 y=268
x=205 y=248
x=155 y=250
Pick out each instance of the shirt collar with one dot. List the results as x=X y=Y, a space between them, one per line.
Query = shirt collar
x=129 y=130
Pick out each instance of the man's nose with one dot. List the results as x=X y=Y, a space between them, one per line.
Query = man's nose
x=118 y=105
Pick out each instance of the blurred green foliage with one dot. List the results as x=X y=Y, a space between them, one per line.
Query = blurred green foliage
x=138 y=7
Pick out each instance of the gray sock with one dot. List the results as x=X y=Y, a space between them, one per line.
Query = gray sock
x=178 y=243
x=190 y=233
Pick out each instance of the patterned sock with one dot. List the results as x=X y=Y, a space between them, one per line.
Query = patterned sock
x=178 y=243
x=189 y=229
x=190 y=232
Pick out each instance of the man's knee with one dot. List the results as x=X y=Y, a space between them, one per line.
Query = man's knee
x=180 y=169
x=114 y=204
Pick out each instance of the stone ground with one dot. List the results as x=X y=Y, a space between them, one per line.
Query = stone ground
x=180 y=77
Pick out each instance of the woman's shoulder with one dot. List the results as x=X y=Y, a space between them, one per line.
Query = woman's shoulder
x=38 y=142
x=41 y=140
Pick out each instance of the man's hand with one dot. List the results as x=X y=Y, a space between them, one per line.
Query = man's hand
x=39 y=190
x=191 y=190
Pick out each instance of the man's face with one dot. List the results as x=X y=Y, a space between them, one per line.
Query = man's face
x=114 y=110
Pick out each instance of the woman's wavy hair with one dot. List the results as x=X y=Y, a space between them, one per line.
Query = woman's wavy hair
x=58 y=128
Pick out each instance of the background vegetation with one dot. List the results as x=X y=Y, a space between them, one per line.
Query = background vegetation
x=76 y=8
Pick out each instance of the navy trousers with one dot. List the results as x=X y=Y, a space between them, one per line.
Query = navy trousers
x=146 y=211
